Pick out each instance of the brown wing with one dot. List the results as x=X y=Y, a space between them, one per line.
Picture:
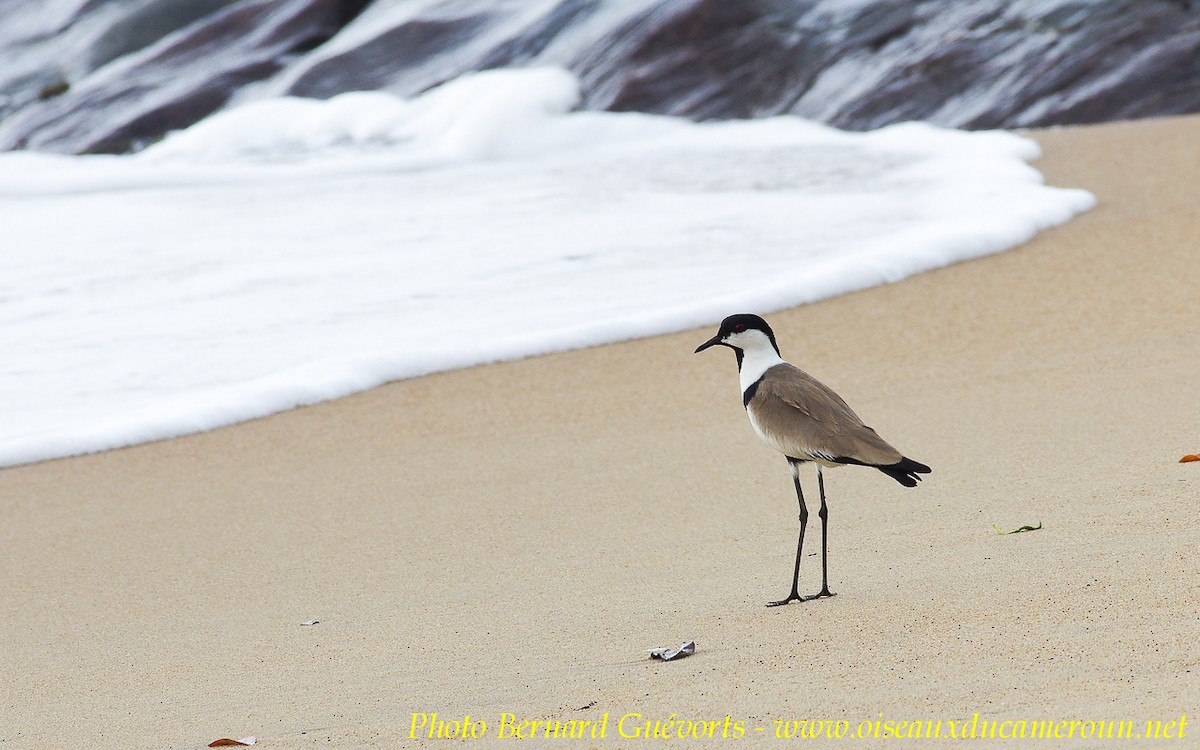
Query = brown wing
x=802 y=417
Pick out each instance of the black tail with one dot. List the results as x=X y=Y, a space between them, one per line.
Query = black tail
x=905 y=471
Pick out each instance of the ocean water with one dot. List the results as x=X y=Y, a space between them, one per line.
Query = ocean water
x=290 y=251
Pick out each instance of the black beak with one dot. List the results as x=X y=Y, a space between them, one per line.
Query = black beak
x=711 y=342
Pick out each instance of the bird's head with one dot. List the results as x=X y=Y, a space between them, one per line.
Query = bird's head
x=743 y=333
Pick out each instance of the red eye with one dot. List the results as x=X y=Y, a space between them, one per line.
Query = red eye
x=739 y=328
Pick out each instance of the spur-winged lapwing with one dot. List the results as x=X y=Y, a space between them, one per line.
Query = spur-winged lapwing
x=805 y=421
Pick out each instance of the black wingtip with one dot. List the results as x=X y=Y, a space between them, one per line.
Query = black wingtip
x=905 y=471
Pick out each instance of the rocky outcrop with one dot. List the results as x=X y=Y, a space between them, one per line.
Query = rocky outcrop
x=116 y=76
x=104 y=75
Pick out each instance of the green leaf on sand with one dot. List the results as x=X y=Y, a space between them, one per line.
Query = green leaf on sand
x=1018 y=530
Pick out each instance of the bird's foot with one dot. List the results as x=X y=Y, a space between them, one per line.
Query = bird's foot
x=792 y=597
x=795 y=597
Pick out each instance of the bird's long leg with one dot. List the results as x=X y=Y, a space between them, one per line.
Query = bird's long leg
x=824 y=514
x=795 y=595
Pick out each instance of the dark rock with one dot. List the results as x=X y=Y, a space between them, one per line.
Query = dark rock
x=148 y=66
x=171 y=82
x=119 y=32
x=702 y=59
x=47 y=44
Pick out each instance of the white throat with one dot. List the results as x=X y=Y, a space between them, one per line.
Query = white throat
x=758 y=356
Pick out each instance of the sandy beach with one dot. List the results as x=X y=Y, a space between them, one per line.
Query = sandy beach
x=510 y=539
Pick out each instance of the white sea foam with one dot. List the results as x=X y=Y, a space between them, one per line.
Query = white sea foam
x=291 y=251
